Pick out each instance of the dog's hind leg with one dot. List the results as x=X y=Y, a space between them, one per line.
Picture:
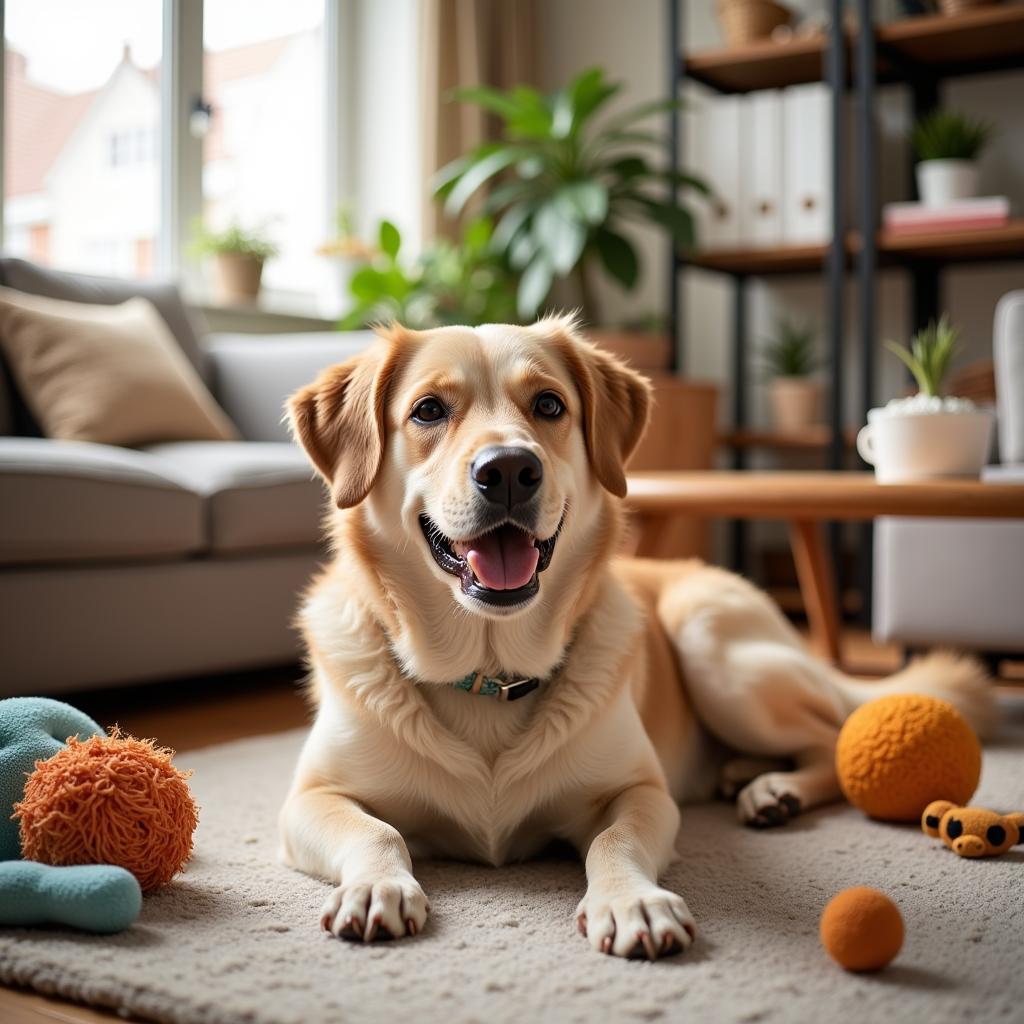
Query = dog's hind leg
x=755 y=687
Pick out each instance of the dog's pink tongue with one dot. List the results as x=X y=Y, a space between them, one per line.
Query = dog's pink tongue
x=504 y=559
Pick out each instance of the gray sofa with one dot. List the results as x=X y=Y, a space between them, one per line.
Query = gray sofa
x=120 y=565
x=960 y=582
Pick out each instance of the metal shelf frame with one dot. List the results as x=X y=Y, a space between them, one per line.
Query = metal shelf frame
x=863 y=78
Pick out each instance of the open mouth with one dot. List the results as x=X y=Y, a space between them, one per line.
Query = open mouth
x=499 y=567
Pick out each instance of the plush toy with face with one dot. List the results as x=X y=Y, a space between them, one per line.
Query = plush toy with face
x=972 y=831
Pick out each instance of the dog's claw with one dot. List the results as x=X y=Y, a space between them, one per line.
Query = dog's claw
x=606 y=944
x=410 y=926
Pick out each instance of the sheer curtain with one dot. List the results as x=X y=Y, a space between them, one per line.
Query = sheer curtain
x=467 y=43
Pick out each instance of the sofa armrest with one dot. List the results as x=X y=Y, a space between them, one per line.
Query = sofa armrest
x=253 y=374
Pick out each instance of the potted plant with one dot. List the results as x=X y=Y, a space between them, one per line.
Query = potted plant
x=927 y=435
x=568 y=187
x=790 y=362
x=744 y=21
x=449 y=283
x=947 y=145
x=238 y=258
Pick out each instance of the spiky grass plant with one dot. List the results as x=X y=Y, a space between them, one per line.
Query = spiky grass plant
x=950 y=135
x=790 y=353
x=929 y=355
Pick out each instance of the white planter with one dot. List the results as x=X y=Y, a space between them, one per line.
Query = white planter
x=923 y=439
x=941 y=182
x=795 y=402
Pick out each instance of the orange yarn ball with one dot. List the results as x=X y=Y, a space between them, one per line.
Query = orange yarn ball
x=897 y=754
x=109 y=800
x=861 y=929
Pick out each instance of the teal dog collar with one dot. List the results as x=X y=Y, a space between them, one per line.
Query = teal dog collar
x=503 y=689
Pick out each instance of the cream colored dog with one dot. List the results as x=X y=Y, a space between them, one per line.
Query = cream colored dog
x=488 y=678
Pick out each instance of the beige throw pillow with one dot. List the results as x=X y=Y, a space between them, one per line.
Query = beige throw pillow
x=108 y=374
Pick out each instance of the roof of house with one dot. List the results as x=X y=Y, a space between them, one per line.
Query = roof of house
x=39 y=120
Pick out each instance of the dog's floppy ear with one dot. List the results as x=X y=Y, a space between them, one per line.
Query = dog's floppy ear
x=616 y=405
x=340 y=421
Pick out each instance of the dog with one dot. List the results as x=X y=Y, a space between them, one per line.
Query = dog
x=489 y=677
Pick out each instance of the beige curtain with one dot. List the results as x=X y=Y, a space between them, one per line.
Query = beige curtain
x=466 y=43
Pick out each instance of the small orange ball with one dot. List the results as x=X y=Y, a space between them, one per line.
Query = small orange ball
x=897 y=754
x=861 y=929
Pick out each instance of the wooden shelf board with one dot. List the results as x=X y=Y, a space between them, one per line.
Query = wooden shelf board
x=958 y=43
x=979 y=245
x=764 y=64
x=987 y=39
x=976 y=245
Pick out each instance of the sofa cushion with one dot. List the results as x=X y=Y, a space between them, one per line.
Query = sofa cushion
x=258 y=495
x=253 y=374
x=108 y=291
x=74 y=501
x=108 y=374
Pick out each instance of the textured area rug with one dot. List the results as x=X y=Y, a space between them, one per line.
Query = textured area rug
x=236 y=938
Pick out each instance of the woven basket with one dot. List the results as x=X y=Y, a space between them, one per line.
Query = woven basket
x=955 y=7
x=744 y=21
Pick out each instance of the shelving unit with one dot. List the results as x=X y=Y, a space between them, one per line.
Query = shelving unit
x=918 y=53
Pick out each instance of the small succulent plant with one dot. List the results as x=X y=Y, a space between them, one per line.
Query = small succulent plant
x=790 y=352
x=929 y=354
x=950 y=135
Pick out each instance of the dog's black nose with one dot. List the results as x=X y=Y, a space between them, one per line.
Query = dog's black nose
x=507 y=476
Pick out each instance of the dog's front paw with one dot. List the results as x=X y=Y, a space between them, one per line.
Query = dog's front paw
x=384 y=907
x=648 y=923
x=770 y=800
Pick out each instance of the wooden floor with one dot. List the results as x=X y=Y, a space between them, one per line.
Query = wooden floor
x=198 y=713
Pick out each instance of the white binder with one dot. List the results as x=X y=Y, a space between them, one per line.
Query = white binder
x=807 y=175
x=761 y=169
x=716 y=158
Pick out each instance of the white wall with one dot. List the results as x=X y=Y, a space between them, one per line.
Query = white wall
x=628 y=39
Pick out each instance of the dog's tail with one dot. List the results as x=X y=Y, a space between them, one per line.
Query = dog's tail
x=955 y=678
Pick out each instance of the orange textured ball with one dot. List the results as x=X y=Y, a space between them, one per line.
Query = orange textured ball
x=897 y=754
x=109 y=800
x=861 y=929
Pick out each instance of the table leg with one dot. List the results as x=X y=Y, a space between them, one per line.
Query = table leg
x=817 y=585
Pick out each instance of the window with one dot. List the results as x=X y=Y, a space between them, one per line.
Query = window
x=82 y=97
x=264 y=163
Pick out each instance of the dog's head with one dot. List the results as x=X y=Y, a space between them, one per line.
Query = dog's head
x=479 y=451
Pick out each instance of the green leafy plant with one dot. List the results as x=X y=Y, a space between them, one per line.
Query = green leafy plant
x=950 y=135
x=233 y=239
x=449 y=283
x=791 y=352
x=566 y=187
x=929 y=354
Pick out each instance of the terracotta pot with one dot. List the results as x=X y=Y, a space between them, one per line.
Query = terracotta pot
x=960 y=6
x=237 y=277
x=643 y=350
x=795 y=402
x=744 y=21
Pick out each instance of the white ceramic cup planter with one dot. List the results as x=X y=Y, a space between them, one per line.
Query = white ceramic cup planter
x=921 y=440
x=941 y=182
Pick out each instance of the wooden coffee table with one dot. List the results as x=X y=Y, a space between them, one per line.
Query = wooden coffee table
x=805 y=501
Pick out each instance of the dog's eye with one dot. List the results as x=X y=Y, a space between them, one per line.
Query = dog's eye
x=548 y=405
x=429 y=410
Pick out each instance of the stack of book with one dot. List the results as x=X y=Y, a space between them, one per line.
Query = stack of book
x=962 y=215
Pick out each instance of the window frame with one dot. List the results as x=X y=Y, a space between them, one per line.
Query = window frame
x=181 y=154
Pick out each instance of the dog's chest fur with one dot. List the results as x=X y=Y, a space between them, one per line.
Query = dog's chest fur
x=470 y=776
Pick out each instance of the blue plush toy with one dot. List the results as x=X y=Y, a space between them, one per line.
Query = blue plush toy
x=95 y=897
